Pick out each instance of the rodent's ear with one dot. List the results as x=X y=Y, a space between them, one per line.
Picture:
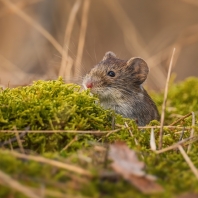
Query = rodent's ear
x=109 y=55
x=139 y=69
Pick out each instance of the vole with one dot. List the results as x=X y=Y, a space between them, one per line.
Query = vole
x=118 y=84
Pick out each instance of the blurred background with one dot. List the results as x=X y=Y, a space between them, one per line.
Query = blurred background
x=43 y=39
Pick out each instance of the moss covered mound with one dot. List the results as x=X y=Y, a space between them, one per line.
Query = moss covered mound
x=50 y=105
x=66 y=160
x=182 y=99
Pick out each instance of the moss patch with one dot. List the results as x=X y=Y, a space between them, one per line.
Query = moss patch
x=53 y=105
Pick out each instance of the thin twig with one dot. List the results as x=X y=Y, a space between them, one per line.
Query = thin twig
x=70 y=143
x=82 y=35
x=19 y=141
x=168 y=127
x=16 y=185
x=51 y=162
x=14 y=139
x=130 y=131
x=63 y=131
x=182 y=134
x=188 y=160
x=112 y=131
x=164 y=101
x=193 y=139
x=180 y=119
x=68 y=32
x=10 y=143
x=192 y=131
x=155 y=127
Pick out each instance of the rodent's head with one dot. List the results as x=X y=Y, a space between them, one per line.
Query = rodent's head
x=116 y=75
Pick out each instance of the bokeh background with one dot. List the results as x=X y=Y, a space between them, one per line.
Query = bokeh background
x=42 y=39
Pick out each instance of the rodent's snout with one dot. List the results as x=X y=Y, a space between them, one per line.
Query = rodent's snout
x=89 y=84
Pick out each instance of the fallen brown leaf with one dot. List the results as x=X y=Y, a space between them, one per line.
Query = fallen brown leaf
x=144 y=184
x=126 y=163
x=125 y=159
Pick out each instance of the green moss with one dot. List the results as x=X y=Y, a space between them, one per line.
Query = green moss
x=50 y=105
x=182 y=99
x=54 y=105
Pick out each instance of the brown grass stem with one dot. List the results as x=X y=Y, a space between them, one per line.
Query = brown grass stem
x=164 y=101
x=188 y=160
x=67 y=37
x=70 y=143
x=19 y=141
x=131 y=133
x=81 y=42
x=180 y=119
x=192 y=131
x=168 y=127
x=62 y=131
x=34 y=24
x=21 y=4
x=193 y=139
x=51 y=162
x=10 y=144
x=112 y=131
x=10 y=182
x=155 y=127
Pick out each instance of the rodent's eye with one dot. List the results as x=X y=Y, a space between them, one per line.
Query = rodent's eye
x=111 y=73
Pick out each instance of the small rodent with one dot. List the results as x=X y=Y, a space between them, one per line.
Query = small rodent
x=118 y=84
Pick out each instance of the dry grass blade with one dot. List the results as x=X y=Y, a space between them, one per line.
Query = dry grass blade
x=19 y=141
x=51 y=162
x=188 y=160
x=180 y=119
x=70 y=143
x=10 y=144
x=192 y=130
x=152 y=140
x=62 y=131
x=6 y=179
x=168 y=127
x=82 y=35
x=68 y=32
x=20 y=4
x=164 y=101
x=193 y=139
x=127 y=126
x=112 y=131
x=33 y=23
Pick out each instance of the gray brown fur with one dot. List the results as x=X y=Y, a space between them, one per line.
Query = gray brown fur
x=124 y=92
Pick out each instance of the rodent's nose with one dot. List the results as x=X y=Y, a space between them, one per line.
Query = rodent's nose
x=89 y=85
